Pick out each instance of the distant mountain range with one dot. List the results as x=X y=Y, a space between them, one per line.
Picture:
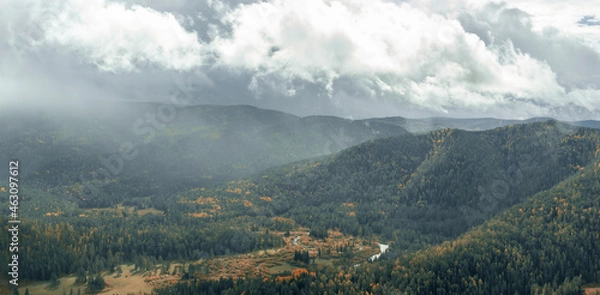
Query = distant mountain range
x=142 y=149
x=133 y=147
x=479 y=124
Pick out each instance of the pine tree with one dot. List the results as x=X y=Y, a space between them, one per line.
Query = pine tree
x=54 y=281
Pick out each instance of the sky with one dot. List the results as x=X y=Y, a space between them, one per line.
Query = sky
x=348 y=58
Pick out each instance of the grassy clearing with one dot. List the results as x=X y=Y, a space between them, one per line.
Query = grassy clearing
x=43 y=288
x=122 y=285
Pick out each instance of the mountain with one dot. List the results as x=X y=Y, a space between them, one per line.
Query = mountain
x=587 y=123
x=148 y=150
x=119 y=151
x=420 y=189
x=214 y=181
x=475 y=124
x=546 y=242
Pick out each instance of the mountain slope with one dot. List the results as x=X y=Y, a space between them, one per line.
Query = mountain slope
x=116 y=153
x=418 y=189
x=548 y=239
x=412 y=191
x=546 y=244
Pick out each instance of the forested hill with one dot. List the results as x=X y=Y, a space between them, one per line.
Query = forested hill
x=411 y=191
x=549 y=242
x=546 y=243
x=421 y=189
x=140 y=150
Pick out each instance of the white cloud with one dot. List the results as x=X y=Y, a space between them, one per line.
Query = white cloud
x=117 y=38
x=479 y=58
x=560 y=14
x=423 y=58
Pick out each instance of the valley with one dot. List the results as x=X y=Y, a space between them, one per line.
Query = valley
x=459 y=210
x=282 y=147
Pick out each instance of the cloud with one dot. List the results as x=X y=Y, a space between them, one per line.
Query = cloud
x=420 y=58
x=589 y=20
x=562 y=16
x=115 y=37
x=345 y=57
